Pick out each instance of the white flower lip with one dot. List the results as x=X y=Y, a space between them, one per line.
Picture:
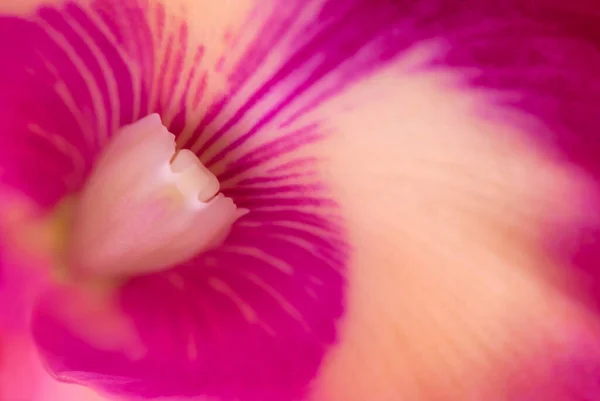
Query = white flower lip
x=147 y=207
x=193 y=177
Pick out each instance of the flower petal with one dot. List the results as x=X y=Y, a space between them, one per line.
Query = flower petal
x=17 y=362
x=254 y=317
x=451 y=288
x=25 y=255
x=265 y=105
x=23 y=378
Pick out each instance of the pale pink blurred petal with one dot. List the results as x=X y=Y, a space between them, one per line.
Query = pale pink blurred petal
x=22 y=377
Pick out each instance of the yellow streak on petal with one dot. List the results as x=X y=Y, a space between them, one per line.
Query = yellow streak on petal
x=35 y=237
x=449 y=288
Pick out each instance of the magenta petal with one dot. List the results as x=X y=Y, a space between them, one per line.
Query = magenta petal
x=19 y=284
x=53 y=124
x=42 y=152
x=253 y=319
x=250 y=321
x=64 y=92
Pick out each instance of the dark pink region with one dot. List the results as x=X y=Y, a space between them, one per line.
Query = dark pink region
x=571 y=373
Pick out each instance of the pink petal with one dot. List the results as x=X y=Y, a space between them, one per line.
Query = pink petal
x=23 y=378
x=319 y=116
x=257 y=328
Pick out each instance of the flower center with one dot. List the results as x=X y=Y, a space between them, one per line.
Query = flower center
x=146 y=206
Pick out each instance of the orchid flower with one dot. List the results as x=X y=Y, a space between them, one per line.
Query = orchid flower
x=315 y=200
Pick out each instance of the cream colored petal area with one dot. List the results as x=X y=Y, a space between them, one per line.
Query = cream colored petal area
x=450 y=291
x=212 y=36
